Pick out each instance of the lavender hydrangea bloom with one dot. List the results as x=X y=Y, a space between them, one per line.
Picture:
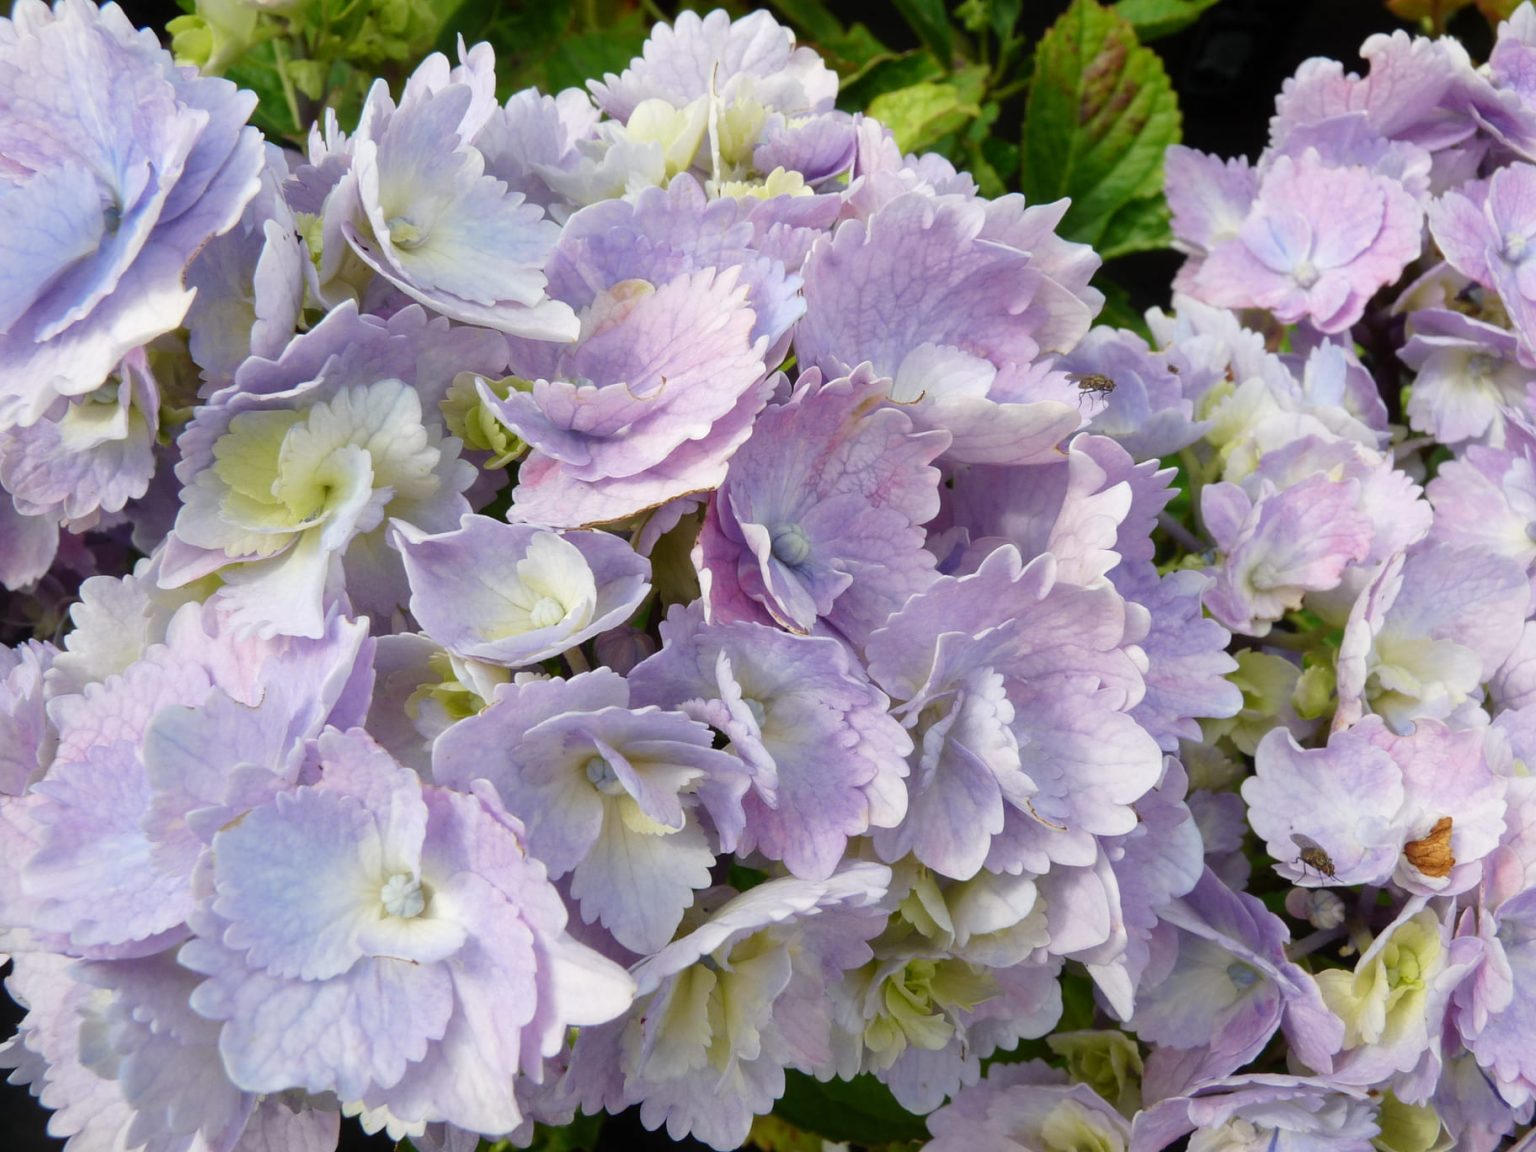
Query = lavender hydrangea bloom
x=819 y=519
x=1390 y=792
x=404 y=933
x=827 y=758
x=753 y=58
x=1395 y=1003
x=1023 y=1107
x=1078 y=508
x=664 y=233
x=922 y=1020
x=1225 y=986
x=118 y=1055
x=513 y=594
x=356 y=400
x=1428 y=632
x=722 y=1011
x=1420 y=90
x=1342 y=799
x=86 y=454
x=1250 y=1113
x=119 y=167
x=1468 y=377
x=661 y=388
x=1486 y=497
x=1279 y=545
x=1491 y=1014
x=1316 y=244
x=420 y=210
x=250 y=283
x=1159 y=860
x=153 y=762
x=991 y=672
x=1486 y=232
x=612 y=795
x=1147 y=413
x=962 y=354
x=27 y=738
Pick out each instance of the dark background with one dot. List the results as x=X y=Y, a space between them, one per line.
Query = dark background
x=1227 y=69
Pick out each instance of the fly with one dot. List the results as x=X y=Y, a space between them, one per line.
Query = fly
x=1312 y=855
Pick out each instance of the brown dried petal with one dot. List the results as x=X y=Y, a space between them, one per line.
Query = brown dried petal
x=1431 y=855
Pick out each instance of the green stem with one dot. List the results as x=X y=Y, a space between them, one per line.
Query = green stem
x=280 y=54
x=1191 y=543
x=1290 y=641
x=1311 y=943
x=1007 y=90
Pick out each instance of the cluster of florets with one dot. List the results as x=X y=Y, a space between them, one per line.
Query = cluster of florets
x=649 y=589
x=1346 y=378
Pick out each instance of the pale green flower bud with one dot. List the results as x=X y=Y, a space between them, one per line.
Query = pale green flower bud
x=1107 y=1061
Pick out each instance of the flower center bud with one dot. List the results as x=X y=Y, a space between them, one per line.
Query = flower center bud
x=403 y=233
x=402 y=896
x=1514 y=248
x=759 y=713
x=546 y=613
x=1305 y=274
x=600 y=775
x=791 y=545
x=1242 y=976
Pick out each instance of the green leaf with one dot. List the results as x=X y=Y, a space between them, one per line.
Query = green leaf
x=888 y=75
x=921 y=114
x=1100 y=115
x=580 y=1135
x=812 y=17
x=1138 y=226
x=1005 y=16
x=1118 y=310
x=257 y=71
x=1156 y=18
x=1002 y=157
x=930 y=20
x=513 y=30
x=852 y=54
x=577 y=59
x=860 y=1110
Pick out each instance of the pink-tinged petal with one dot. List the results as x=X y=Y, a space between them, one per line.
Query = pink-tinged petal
x=1463 y=233
x=1289 y=543
x=1318 y=243
x=96 y=875
x=1209 y=197
x=819 y=515
x=27 y=738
